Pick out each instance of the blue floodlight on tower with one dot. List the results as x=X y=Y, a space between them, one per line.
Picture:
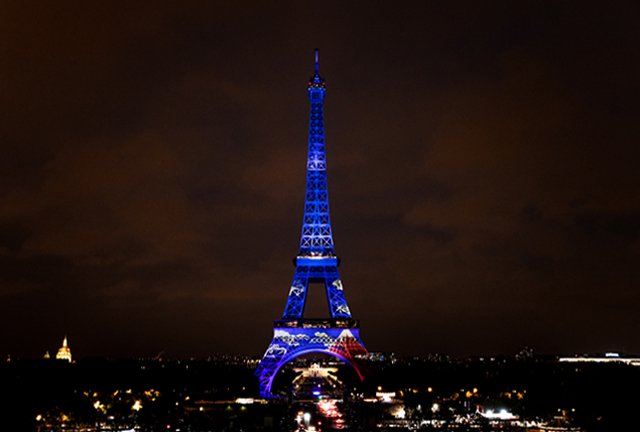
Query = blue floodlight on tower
x=316 y=262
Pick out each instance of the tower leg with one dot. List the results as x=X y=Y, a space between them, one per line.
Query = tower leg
x=269 y=366
x=335 y=293
x=297 y=297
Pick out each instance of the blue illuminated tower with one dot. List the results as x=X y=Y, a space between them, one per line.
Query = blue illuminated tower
x=316 y=262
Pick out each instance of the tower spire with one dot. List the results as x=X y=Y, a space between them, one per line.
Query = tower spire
x=316 y=55
x=316 y=82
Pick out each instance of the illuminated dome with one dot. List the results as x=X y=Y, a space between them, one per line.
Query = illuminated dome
x=64 y=353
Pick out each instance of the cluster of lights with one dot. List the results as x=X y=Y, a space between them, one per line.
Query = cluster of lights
x=503 y=414
x=610 y=357
x=328 y=408
x=303 y=419
x=386 y=397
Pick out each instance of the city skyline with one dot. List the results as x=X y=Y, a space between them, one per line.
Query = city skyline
x=482 y=166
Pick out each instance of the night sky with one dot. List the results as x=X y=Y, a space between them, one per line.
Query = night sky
x=483 y=170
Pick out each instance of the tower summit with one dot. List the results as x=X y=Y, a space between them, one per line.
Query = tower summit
x=316 y=263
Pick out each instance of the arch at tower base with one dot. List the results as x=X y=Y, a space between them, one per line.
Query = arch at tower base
x=289 y=342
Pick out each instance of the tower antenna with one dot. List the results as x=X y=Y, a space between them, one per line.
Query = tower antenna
x=316 y=55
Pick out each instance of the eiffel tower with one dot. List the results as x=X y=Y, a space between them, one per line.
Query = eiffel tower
x=316 y=262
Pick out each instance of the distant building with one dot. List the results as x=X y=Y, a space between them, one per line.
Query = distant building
x=525 y=353
x=46 y=356
x=64 y=353
x=610 y=357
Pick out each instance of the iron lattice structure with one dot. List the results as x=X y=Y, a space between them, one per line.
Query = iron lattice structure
x=316 y=262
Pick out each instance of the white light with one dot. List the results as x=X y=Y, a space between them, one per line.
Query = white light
x=503 y=414
x=386 y=397
x=398 y=412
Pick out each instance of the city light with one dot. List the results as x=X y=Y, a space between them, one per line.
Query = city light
x=99 y=406
x=607 y=358
x=386 y=397
x=503 y=414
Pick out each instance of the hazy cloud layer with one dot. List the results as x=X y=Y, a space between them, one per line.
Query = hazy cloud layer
x=483 y=171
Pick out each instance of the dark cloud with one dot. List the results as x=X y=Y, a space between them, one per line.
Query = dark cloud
x=482 y=169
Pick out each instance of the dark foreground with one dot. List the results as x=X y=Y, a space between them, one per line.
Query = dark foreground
x=412 y=394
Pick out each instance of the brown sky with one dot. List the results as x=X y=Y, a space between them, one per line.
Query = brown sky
x=483 y=170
